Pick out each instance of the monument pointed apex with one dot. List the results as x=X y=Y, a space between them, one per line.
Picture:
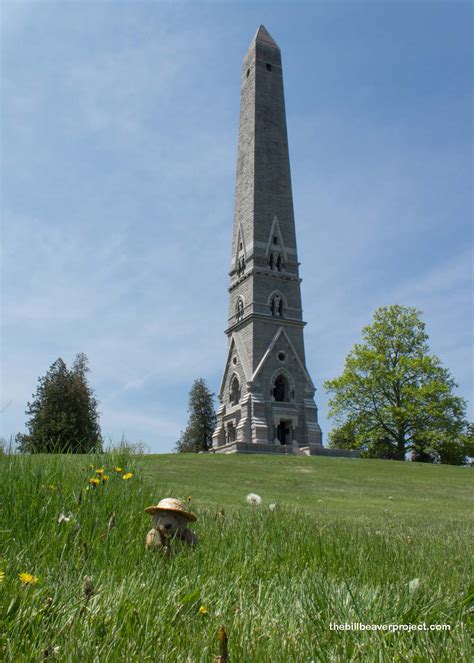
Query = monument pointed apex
x=263 y=36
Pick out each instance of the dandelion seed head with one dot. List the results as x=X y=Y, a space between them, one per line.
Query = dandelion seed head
x=253 y=499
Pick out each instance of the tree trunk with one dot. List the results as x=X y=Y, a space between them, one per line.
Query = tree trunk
x=401 y=445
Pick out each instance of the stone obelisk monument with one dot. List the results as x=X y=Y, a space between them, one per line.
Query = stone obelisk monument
x=266 y=395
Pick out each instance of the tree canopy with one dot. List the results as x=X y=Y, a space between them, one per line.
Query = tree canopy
x=343 y=437
x=202 y=420
x=63 y=414
x=393 y=397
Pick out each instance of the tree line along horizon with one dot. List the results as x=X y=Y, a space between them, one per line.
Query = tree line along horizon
x=393 y=400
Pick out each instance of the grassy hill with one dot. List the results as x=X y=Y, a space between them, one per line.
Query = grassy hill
x=362 y=491
x=349 y=541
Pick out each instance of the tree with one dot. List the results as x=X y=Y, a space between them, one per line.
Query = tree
x=346 y=436
x=468 y=440
x=343 y=437
x=396 y=395
x=202 y=420
x=63 y=414
x=448 y=450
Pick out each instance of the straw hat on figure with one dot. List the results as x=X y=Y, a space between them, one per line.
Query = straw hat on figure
x=170 y=523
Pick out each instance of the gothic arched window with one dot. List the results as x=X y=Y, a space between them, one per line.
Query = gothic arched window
x=279 y=263
x=234 y=391
x=280 y=389
x=239 y=309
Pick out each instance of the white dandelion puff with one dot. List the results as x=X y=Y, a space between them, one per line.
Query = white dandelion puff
x=64 y=519
x=253 y=499
x=272 y=507
x=68 y=519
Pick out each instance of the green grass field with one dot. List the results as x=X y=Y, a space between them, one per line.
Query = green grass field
x=350 y=541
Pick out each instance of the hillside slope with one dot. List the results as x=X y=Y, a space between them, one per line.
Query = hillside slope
x=360 y=490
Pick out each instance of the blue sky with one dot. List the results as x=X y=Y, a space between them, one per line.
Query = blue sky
x=119 y=144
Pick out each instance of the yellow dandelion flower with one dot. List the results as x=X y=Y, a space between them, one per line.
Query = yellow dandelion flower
x=52 y=487
x=118 y=469
x=94 y=482
x=189 y=498
x=100 y=470
x=127 y=476
x=2 y=576
x=105 y=477
x=28 y=578
x=203 y=610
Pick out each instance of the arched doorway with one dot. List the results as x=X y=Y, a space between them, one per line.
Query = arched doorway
x=283 y=432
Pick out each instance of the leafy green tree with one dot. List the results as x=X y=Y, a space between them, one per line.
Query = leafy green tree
x=202 y=420
x=396 y=395
x=448 y=450
x=63 y=414
x=346 y=436
x=343 y=437
x=468 y=440
x=379 y=447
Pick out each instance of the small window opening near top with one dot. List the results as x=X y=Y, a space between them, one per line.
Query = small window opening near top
x=248 y=73
x=275 y=240
x=240 y=246
x=269 y=67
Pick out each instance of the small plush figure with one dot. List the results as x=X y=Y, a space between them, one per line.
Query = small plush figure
x=170 y=522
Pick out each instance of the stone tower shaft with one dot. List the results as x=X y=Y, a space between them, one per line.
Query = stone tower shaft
x=263 y=188
x=266 y=392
